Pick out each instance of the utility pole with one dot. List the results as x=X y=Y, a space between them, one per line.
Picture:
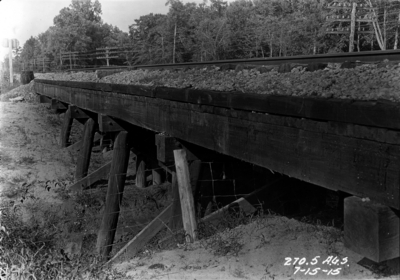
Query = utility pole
x=108 y=54
x=352 y=19
x=70 y=60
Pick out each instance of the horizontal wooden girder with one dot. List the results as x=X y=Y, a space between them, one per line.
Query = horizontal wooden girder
x=374 y=113
x=361 y=161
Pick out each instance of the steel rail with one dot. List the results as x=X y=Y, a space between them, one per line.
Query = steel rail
x=366 y=57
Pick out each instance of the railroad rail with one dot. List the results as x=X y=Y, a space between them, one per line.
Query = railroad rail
x=363 y=57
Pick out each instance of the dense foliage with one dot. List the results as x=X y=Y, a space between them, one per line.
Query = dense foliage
x=216 y=30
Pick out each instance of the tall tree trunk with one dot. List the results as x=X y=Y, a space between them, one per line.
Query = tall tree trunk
x=352 y=27
x=396 y=36
x=358 y=37
x=372 y=43
x=378 y=32
x=173 y=54
x=315 y=43
x=270 y=46
x=162 y=47
x=384 y=25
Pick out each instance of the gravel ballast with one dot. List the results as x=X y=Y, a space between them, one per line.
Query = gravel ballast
x=364 y=82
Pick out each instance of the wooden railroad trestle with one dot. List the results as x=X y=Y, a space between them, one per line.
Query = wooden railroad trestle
x=351 y=146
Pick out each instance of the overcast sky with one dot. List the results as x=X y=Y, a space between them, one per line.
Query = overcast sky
x=22 y=19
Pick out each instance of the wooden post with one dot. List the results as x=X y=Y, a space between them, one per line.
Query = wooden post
x=352 y=27
x=116 y=184
x=140 y=172
x=175 y=222
x=84 y=155
x=66 y=128
x=186 y=196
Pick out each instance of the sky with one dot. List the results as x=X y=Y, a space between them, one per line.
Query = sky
x=21 y=19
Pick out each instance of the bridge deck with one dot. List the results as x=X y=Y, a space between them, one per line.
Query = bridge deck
x=336 y=144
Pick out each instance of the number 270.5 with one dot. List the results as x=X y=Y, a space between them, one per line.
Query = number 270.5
x=300 y=261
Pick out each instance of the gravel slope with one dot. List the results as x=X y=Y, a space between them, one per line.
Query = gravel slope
x=364 y=82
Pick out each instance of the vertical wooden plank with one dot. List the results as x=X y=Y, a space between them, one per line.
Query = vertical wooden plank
x=186 y=196
x=66 y=128
x=116 y=184
x=140 y=172
x=86 y=150
x=175 y=222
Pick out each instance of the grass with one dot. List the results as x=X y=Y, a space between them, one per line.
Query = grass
x=54 y=120
x=30 y=251
x=28 y=160
x=5 y=158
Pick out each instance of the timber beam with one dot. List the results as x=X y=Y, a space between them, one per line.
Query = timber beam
x=371 y=229
x=116 y=184
x=66 y=128
x=108 y=124
x=86 y=150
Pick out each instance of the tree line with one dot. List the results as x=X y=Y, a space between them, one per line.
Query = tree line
x=217 y=30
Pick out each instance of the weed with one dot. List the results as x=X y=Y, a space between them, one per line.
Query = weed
x=27 y=160
x=17 y=179
x=224 y=243
x=238 y=273
x=5 y=158
x=28 y=252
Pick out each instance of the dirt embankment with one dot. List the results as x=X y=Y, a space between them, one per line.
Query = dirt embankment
x=34 y=178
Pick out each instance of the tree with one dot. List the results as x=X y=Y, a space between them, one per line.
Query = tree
x=79 y=26
x=148 y=35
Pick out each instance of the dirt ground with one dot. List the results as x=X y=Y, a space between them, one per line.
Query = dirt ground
x=35 y=174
